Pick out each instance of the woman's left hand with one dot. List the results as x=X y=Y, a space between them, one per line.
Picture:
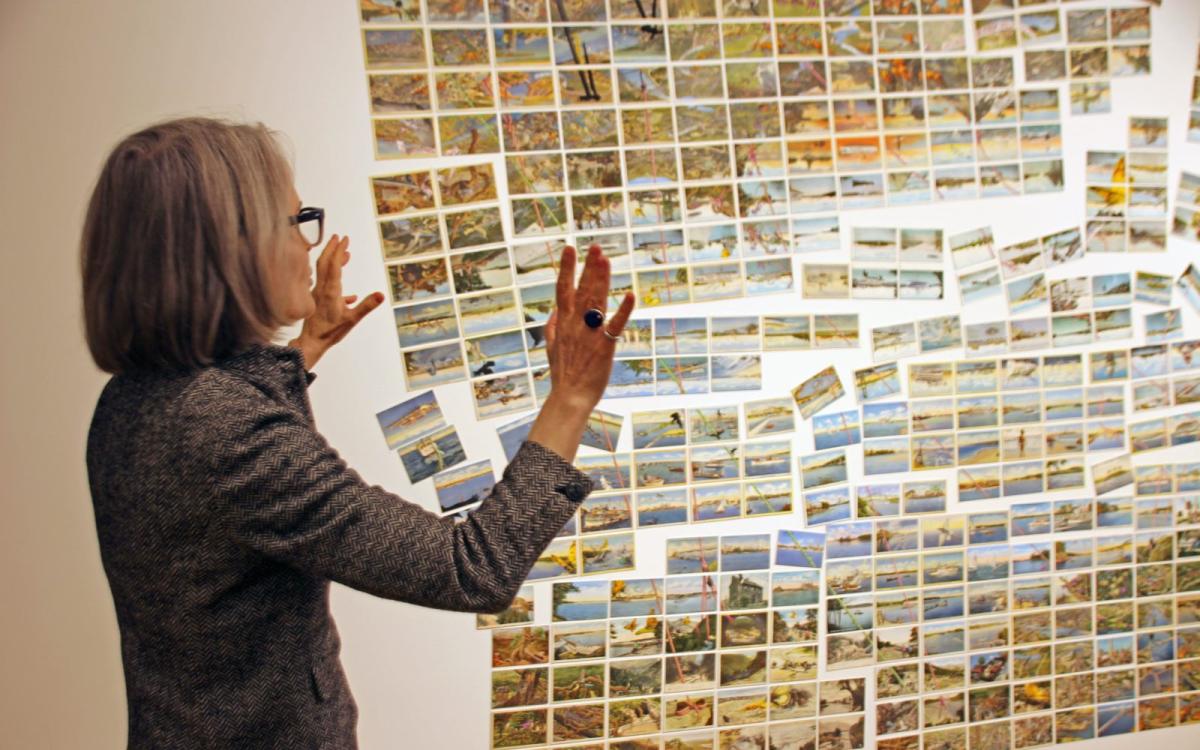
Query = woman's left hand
x=333 y=316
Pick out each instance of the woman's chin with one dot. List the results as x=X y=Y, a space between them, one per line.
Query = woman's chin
x=299 y=313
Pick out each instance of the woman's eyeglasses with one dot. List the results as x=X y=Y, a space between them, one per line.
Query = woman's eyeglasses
x=311 y=223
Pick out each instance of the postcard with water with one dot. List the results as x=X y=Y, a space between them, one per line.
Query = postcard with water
x=885 y=419
x=818 y=392
x=693 y=555
x=579 y=600
x=659 y=429
x=769 y=417
x=424 y=368
x=801 y=549
x=431 y=454
x=979 y=285
x=464 y=485
x=894 y=342
x=972 y=248
x=712 y=424
x=411 y=419
x=716 y=502
x=603 y=430
x=606 y=553
x=768 y=458
x=835 y=331
x=746 y=552
x=662 y=507
x=519 y=611
x=820 y=469
x=503 y=395
x=835 y=430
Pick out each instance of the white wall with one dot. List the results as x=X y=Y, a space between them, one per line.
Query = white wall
x=77 y=76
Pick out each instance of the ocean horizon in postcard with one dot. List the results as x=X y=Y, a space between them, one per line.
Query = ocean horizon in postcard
x=464 y=485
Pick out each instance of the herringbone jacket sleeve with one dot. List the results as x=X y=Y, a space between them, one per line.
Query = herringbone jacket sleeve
x=284 y=492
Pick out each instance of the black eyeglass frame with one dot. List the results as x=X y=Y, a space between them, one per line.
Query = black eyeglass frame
x=307 y=214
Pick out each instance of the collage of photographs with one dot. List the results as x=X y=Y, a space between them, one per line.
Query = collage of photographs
x=1008 y=427
x=698 y=658
x=493 y=305
x=648 y=121
x=886 y=263
x=967 y=555
x=1024 y=425
x=1087 y=46
x=688 y=466
x=492 y=302
x=985 y=270
x=416 y=429
x=428 y=447
x=1082 y=310
x=1049 y=622
x=1127 y=192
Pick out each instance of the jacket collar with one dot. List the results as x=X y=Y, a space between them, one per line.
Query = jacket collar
x=279 y=368
x=266 y=360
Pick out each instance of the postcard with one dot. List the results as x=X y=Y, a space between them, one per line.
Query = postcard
x=519 y=611
x=804 y=549
x=818 y=392
x=431 y=454
x=880 y=381
x=464 y=485
x=769 y=417
x=835 y=430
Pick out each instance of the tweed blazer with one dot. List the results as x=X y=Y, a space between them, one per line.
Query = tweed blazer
x=222 y=516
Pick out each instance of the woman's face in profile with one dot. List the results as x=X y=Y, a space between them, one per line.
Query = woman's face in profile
x=295 y=278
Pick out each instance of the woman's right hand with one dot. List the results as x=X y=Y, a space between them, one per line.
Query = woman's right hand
x=580 y=357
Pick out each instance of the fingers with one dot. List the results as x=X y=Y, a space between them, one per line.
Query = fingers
x=329 y=265
x=550 y=331
x=349 y=299
x=337 y=260
x=593 y=284
x=565 y=289
x=326 y=253
x=621 y=317
x=364 y=308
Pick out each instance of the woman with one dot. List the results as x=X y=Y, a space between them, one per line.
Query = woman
x=222 y=513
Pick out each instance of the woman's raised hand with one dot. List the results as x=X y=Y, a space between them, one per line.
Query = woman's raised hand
x=580 y=356
x=333 y=317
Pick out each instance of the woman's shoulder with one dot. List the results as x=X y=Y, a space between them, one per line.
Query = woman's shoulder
x=260 y=378
x=220 y=391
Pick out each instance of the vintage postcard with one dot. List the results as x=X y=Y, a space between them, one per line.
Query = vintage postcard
x=818 y=392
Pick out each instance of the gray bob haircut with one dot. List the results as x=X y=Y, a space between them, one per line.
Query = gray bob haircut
x=181 y=240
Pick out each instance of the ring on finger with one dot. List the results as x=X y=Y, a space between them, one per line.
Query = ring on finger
x=610 y=336
x=593 y=318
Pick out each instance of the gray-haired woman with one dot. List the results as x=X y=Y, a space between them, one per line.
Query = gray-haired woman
x=222 y=513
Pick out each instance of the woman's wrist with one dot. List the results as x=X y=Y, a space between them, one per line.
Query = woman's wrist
x=569 y=403
x=310 y=349
x=561 y=422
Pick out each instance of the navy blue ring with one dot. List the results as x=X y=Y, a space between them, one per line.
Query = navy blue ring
x=593 y=318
